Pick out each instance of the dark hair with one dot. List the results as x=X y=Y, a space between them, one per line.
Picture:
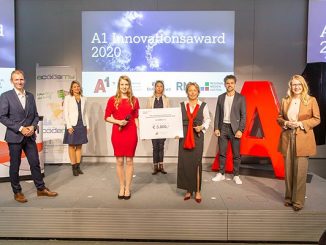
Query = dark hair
x=72 y=84
x=230 y=77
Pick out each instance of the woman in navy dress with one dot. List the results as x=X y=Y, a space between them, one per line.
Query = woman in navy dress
x=77 y=125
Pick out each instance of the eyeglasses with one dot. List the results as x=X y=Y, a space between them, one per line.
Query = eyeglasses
x=296 y=85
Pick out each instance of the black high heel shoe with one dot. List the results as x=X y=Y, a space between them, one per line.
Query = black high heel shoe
x=127 y=197
x=122 y=196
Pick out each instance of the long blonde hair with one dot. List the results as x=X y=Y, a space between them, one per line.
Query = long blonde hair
x=305 y=89
x=130 y=94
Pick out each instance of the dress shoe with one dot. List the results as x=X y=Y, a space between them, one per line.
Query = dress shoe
x=296 y=208
x=46 y=192
x=161 y=168
x=19 y=197
x=78 y=169
x=121 y=197
x=198 y=200
x=187 y=197
x=155 y=170
x=127 y=197
x=287 y=204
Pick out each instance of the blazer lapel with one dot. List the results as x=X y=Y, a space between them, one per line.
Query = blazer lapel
x=222 y=105
x=234 y=102
x=286 y=108
x=27 y=104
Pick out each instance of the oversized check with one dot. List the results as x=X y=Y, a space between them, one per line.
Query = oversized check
x=160 y=123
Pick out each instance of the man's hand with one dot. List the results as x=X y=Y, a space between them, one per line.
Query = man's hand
x=25 y=131
x=28 y=131
x=217 y=133
x=238 y=134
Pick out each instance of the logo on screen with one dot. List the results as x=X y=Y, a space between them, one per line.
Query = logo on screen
x=101 y=85
x=205 y=87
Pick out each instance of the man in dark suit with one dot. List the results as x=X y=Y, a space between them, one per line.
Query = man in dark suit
x=19 y=114
x=229 y=124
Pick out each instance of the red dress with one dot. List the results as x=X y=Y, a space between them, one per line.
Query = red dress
x=124 y=141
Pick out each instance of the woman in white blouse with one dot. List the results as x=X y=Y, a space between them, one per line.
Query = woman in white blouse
x=196 y=120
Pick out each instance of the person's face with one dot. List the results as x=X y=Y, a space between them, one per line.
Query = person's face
x=296 y=87
x=159 y=88
x=230 y=85
x=192 y=92
x=124 y=86
x=18 y=81
x=75 y=88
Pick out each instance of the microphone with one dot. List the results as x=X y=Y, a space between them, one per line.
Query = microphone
x=127 y=118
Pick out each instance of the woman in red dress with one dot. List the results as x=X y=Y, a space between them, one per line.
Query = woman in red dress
x=122 y=112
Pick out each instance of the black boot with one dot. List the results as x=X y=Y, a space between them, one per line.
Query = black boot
x=161 y=168
x=155 y=170
x=74 y=170
x=78 y=169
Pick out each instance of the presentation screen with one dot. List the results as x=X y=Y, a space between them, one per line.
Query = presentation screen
x=7 y=43
x=316 y=51
x=174 y=46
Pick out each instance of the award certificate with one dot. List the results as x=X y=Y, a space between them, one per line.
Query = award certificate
x=160 y=123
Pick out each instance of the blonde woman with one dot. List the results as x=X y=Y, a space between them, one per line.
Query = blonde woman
x=122 y=112
x=158 y=100
x=298 y=116
x=77 y=124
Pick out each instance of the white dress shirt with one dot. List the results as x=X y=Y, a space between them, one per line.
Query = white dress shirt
x=21 y=97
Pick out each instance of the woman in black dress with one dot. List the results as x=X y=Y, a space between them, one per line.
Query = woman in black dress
x=196 y=120
x=77 y=125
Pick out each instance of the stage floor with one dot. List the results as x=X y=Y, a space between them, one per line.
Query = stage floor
x=88 y=207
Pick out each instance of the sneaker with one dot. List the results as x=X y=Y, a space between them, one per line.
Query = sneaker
x=237 y=180
x=218 y=177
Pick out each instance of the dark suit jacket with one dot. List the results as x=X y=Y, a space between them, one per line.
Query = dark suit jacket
x=13 y=115
x=237 y=116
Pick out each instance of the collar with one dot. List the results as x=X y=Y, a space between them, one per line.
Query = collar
x=19 y=93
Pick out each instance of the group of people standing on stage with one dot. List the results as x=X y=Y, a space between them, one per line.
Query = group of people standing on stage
x=298 y=115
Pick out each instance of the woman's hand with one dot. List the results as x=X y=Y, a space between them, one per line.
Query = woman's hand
x=122 y=122
x=70 y=130
x=292 y=125
x=198 y=128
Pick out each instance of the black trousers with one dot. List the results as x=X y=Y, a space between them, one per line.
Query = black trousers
x=30 y=149
x=158 y=150
x=226 y=135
